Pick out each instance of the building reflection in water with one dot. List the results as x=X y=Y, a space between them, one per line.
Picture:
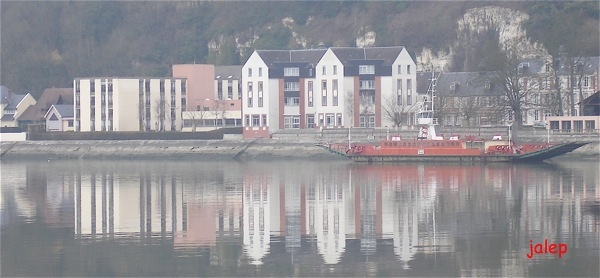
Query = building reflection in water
x=481 y=216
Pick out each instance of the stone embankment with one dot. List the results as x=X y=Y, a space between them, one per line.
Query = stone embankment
x=202 y=150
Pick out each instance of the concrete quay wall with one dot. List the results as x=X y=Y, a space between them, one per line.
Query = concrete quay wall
x=201 y=150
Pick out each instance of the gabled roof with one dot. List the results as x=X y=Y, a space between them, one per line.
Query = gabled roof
x=14 y=101
x=272 y=57
x=47 y=99
x=386 y=54
x=465 y=84
x=65 y=111
x=311 y=56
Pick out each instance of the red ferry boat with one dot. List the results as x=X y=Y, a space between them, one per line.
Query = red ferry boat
x=428 y=146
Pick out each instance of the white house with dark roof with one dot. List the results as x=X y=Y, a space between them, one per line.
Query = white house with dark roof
x=12 y=106
x=336 y=87
x=60 y=117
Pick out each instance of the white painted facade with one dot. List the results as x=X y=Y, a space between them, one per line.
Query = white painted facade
x=129 y=104
x=330 y=95
x=257 y=103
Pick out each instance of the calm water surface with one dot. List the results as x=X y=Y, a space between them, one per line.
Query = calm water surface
x=302 y=218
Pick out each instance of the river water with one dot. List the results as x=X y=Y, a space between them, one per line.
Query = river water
x=301 y=218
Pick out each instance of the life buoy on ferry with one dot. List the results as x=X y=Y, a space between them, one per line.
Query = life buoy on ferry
x=498 y=147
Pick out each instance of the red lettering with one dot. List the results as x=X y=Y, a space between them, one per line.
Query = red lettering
x=562 y=250
x=552 y=248
x=547 y=248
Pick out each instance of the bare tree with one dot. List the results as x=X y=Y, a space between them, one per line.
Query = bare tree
x=219 y=108
x=468 y=108
x=159 y=109
x=395 y=111
x=349 y=106
x=195 y=116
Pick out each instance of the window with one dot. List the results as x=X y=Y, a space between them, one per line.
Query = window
x=291 y=101
x=92 y=100
x=77 y=99
x=334 y=86
x=409 y=92
x=399 y=90
x=291 y=122
x=250 y=94
x=324 y=89
x=310 y=94
x=102 y=85
x=548 y=67
x=399 y=69
x=172 y=86
x=260 y=94
x=92 y=86
x=77 y=87
x=586 y=81
x=219 y=89
x=330 y=120
x=230 y=89
x=247 y=120
x=334 y=69
x=259 y=72
x=310 y=121
x=367 y=84
x=367 y=120
x=255 y=120
x=146 y=85
x=183 y=87
x=291 y=86
x=264 y=119
x=366 y=69
x=249 y=72
x=408 y=69
x=324 y=70
x=162 y=85
x=339 y=119
x=291 y=72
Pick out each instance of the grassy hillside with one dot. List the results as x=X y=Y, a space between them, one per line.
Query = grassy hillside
x=47 y=44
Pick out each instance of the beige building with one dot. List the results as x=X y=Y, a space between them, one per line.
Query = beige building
x=214 y=96
x=129 y=104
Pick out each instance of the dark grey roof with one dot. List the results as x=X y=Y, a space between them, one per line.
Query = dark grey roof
x=423 y=81
x=387 y=54
x=65 y=111
x=590 y=65
x=466 y=84
x=14 y=101
x=270 y=57
x=8 y=117
x=224 y=72
x=532 y=66
x=311 y=56
x=5 y=94
x=347 y=54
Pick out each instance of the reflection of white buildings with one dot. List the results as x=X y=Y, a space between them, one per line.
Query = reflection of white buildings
x=256 y=217
x=326 y=219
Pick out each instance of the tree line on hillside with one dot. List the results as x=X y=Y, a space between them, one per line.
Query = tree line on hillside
x=48 y=44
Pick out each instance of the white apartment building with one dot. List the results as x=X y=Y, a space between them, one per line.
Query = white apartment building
x=337 y=87
x=129 y=104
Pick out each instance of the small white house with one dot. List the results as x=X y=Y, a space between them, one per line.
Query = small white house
x=60 y=118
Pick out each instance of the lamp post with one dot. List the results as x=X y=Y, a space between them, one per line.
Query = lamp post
x=509 y=134
x=547 y=127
